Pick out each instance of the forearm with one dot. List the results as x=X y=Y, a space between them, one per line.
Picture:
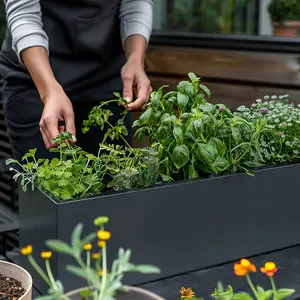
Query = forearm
x=136 y=26
x=36 y=60
x=135 y=48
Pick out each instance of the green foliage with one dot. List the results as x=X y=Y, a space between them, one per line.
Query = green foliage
x=76 y=173
x=284 y=10
x=103 y=283
x=281 y=141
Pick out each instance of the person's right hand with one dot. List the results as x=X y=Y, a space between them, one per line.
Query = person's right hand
x=57 y=107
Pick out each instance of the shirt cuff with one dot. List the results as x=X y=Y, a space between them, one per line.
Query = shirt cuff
x=135 y=28
x=34 y=37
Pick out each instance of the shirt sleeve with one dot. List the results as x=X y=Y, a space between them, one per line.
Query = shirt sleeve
x=136 y=18
x=24 y=21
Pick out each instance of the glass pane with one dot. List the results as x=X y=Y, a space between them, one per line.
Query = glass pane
x=241 y=17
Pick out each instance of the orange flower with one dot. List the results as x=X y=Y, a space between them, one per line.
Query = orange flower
x=269 y=269
x=244 y=267
x=187 y=293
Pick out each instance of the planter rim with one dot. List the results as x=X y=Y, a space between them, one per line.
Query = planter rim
x=131 y=288
x=290 y=23
x=28 y=290
x=164 y=185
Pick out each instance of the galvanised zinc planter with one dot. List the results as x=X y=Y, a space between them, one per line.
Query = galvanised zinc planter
x=178 y=227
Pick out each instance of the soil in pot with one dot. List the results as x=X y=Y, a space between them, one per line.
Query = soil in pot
x=10 y=288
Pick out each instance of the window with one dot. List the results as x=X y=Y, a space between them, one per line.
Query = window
x=240 y=17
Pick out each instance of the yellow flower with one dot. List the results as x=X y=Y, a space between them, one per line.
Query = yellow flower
x=100 y=272
x=26 y=250
x=87 y=247
x=46 y=254
x=187 y=293
x=103 y=235
x=101 y=243
x=95 y=256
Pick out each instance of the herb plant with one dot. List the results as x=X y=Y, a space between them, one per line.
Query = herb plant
x=284 y=10
x=75 y=173
x=103 y=283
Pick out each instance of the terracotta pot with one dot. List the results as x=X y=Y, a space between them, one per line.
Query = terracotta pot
x=287 y=29
x=20 y=274
x=133 y=294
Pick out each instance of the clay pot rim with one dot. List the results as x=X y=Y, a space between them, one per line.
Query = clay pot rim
x=132 y=288
x=290 y=23
x=14 y=266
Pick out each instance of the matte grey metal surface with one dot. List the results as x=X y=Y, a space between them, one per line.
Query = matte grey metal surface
x=178 y=227
x=134 y=293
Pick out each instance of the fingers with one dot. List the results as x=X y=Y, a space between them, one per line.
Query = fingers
x=127 y=86
x=49 y=130
x=70 y=123
x=143 y=92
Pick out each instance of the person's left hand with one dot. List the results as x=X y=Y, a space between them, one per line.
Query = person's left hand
x=135 y=80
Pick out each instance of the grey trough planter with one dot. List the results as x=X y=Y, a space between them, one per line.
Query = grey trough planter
x=178 y=227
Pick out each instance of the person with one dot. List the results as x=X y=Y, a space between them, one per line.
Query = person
x=60 y=58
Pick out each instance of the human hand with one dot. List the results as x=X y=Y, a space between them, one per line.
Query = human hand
x=57 y=107
x=135 y=80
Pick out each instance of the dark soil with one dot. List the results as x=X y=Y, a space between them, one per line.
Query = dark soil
x=10 y=289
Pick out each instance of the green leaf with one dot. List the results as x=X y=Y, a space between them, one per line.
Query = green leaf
x=182 y=100
x=77 y=271
x=205 y=90
x=145 y=269
x=284 y=293
x=178 y=134
x=193 y=77
x=136 y=123
x=194 y=129
x=219 y=145
x=180 y=156
x=59 y=246
x=208 y=107
x=207 y=153
x=75 y=237
x=86 y=293
x=220 y=164
x=264 y=295
x=146 y=115
x=156 y=97
x=241 y=296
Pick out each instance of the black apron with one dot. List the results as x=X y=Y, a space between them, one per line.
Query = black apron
x=86 y=56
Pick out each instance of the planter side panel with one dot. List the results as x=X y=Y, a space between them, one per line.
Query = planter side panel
x=189 y=226
x=38 y=219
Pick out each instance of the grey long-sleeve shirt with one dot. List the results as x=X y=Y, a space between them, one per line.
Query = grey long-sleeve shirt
x=24 y=20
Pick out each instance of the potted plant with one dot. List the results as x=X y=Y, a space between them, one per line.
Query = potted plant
x=15 y=282
x=103 y=283
x=199 y=163
x=243 y=269
x=285 y=16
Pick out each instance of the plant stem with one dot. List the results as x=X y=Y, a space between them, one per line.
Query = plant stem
x=50 y=275
x=252 y=287
x=104 y=269
x=273 y=287
x=39 y=270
